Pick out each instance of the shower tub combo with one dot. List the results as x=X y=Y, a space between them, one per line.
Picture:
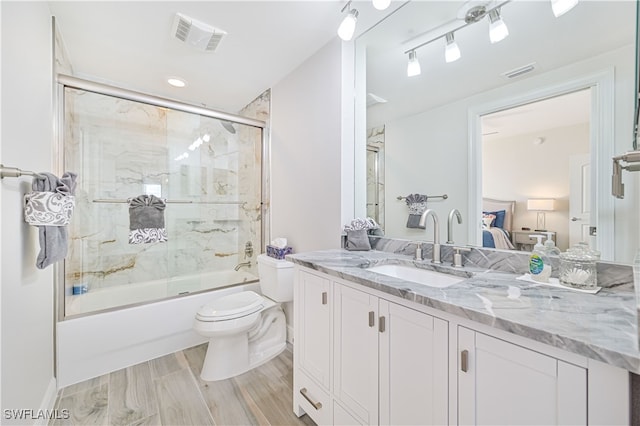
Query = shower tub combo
x=118 y=303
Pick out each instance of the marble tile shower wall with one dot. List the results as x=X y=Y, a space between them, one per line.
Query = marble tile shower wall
x=122 y=149
x=516 y=262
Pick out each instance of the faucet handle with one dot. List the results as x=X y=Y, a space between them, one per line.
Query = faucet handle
x=457 y=256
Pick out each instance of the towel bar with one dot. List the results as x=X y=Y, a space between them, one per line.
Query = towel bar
x=444 y=197
x=14 y=172
x=123 y=201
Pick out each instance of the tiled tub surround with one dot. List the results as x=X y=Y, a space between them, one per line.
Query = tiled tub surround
x=600 y=326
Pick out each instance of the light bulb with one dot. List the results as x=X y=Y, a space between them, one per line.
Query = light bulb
x=451 y=50
x=348 y=25
x=560 y=7
x=381 y=4
x=413 y=68
x=497 y=28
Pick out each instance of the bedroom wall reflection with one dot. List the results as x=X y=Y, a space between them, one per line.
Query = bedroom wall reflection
x=530 y=153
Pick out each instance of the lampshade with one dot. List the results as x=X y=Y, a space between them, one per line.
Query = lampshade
x=348 y=26
x=560 y=7
x=452 y=51
x=541 y=204
x=413 y=67
x=497 y=28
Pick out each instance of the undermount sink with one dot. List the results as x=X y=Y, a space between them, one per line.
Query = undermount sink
x=416 y=275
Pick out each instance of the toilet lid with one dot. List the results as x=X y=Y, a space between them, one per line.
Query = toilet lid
x=232 y=306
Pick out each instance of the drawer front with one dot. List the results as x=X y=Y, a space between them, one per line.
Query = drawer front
x=313 y=400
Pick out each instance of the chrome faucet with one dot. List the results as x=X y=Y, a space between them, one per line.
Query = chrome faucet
x=240 y=265
x=452 y=213
x=435 y=258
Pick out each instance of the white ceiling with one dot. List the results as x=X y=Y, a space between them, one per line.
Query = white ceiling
x=128 y=44
x=537 y=117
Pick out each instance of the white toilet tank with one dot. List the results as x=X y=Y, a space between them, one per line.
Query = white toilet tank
x=276 y=278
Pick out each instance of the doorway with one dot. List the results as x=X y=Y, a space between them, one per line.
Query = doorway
x=527 y=157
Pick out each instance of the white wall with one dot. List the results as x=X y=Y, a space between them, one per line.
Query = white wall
x=26 y=142
x=512 y=170
x=427 y=152
x=306 y=148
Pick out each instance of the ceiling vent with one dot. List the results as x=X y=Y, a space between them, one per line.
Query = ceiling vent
x=520 y=70
x=197 y=34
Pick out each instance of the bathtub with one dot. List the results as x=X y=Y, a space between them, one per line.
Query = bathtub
x=89 y=346
x=134 y=294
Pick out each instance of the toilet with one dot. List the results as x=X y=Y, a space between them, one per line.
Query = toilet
x=246 y=329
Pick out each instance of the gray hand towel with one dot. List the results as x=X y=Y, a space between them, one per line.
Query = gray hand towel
x=146 y=220
x=417 y=205
x=357 y=240
x=53 y=239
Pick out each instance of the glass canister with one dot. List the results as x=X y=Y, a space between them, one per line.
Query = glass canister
x=578 y=267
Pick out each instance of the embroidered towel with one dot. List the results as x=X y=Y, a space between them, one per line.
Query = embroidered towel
x=146 y=220
x=43 y=208
x=417 y=205
x=53 y=238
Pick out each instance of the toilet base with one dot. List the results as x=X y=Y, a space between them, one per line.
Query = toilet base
x=231 y=356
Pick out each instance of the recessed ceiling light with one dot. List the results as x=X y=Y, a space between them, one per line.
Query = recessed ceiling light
x=176 y=82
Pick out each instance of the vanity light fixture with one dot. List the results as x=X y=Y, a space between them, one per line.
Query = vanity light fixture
x=451 y=50
x=348 y=25
x=498 y=30
x=560 y=7
x=473 y=14
x=413 y=67
x=381 y=4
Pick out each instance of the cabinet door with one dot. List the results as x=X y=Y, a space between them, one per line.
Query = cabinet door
x=413 y=367
x=356 y=352
x=505 y=384
x=314 y=316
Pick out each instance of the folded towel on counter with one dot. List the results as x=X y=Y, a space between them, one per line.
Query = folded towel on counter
x=146 y=220
x=417 y=205
x=358 y=231
x=357 y=239
x=50 y=213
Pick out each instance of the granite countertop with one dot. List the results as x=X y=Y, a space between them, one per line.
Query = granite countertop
x=599 y=326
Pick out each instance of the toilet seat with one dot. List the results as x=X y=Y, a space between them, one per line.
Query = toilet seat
x=230 y=307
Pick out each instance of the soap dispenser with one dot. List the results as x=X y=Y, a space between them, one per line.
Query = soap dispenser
x=550 y=245
x=539 y=264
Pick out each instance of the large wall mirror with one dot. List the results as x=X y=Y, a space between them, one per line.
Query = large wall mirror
x=527 y=125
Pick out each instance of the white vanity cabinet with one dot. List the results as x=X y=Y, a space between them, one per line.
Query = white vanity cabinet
x=389 y=364
x=500 y=383
x=390 y=361
x=364 y=357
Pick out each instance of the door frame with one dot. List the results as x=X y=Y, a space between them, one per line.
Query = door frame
x=601 y=129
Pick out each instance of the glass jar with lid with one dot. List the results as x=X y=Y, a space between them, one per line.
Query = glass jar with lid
x=578 y=267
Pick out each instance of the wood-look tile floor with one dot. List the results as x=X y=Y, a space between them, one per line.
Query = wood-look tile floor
x=168 y=391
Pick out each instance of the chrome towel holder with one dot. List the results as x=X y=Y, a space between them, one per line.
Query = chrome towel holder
x=14 y=172
x=444 y=197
